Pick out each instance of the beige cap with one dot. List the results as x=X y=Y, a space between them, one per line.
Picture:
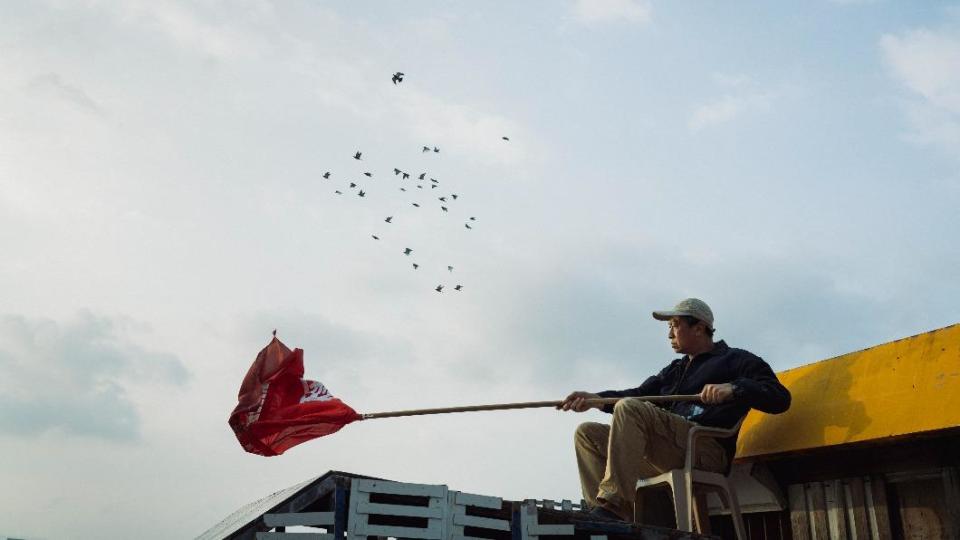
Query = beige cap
x=693 y=307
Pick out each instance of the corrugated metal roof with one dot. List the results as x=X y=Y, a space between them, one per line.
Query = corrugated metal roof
x=252 y=511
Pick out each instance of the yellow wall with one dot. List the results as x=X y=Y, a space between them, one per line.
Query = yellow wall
x=907 y=386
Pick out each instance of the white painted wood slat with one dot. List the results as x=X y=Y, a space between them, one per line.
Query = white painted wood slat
x=399 y=510
x=481 y=522
x=400 y=488
x=544 y=530
x=299 y=518
x=430 y=533
x=293 y=536
x=360 y=510
x=531 y=529
x=481 y=501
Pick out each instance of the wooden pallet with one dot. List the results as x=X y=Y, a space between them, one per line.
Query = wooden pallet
x=338 y=507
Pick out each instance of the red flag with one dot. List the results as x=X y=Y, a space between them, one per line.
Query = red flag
x=278 y=409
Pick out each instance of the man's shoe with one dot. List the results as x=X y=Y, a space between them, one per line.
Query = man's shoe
x=601 y=513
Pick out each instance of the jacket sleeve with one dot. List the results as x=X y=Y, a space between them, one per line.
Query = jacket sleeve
x=757 y=386
x=651 y=386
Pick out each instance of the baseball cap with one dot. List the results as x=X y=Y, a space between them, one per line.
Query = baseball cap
x=693 y=307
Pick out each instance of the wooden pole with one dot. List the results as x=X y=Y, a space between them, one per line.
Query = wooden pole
x=521 y=405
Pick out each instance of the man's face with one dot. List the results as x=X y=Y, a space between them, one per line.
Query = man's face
x=681 y=336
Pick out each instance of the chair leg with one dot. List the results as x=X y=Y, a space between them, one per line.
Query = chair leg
x=735 y=515
x=681 y=500
x=701 y=512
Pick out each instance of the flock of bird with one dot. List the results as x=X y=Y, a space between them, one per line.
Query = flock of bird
x=445 y=201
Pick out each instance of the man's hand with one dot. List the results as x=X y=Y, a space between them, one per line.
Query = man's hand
x=713 y=394
x=577 y=401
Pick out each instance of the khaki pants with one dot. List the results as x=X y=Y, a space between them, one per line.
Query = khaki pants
x=642 y=441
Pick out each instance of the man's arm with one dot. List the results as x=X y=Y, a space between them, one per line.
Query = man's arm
x=576 y=401
x=757 y=386
x=650 y=387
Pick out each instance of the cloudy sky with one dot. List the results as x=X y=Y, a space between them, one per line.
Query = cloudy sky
x=162 y=210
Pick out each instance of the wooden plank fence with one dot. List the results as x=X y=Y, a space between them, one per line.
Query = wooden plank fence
x=842 y=509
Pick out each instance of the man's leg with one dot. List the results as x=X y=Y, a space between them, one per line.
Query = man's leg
x=645 y=441
x=590 y=442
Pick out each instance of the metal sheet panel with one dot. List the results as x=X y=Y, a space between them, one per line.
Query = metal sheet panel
x=251 y=511
x=900 y=388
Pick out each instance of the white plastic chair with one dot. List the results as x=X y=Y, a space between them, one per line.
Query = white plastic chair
x=681 y=482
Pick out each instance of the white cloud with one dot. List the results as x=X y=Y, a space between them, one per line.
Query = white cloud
x=187 y=28
x=611 y=11
x=73 y=376
x=927 y=62
x=725 y=109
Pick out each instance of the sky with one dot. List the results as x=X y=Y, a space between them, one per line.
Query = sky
x=162 y=210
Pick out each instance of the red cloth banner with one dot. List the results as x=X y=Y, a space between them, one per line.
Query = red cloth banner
x=278 y=409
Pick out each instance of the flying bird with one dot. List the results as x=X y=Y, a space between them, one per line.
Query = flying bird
x=467 y=225
x=326 y=174
x=472 y=218
x=444 y=208
x=421 y=176
x=403 y=189
x=442 y=199
x=338 y=192
x=449 y=269
x=375 y=237
x=362 y=193
x=353 y=184
x=505 y=138
x=405 y=176
x=434 y=181
x=368 y=175
x=389 y=219
x=435 y=149
x=357 y=155
x=426 y=149
x=439 y=288
x=397 y=77
x=419 y=186
x=458 y=287
x=396 y=171
x=415 y=204
x=454 y=195
x=415 y=266
x=407 y=251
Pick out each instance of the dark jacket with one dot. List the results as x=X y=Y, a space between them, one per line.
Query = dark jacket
x=757 y=387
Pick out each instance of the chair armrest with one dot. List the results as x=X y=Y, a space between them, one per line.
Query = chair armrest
x=705 y=432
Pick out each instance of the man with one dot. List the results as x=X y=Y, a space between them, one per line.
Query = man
x=645 y=440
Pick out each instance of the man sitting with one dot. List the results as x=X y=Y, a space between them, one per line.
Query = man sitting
x=644 y=439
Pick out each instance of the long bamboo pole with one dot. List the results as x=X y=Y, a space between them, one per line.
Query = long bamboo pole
x=521 y=405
